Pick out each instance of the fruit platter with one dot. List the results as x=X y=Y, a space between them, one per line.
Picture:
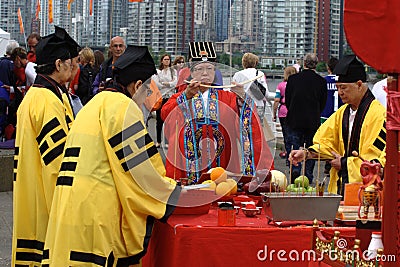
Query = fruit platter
x=293 y=202
x=301 y=207
x=301 y=202
x=221 y=185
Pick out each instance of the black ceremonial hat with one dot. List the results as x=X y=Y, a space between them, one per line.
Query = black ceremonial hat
x=134 y=64
x=72 y=45
x=202 y=51
x=58 y=45
x=349 y=69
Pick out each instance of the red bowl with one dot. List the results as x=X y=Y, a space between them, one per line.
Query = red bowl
x=237 y=200
x=250 y=212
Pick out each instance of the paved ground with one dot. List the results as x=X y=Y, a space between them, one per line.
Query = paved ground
x=6 y=204
x=5 y=228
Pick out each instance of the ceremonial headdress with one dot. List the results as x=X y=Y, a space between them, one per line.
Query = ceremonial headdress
x=134 y=64
x=73 y=46
x=349 y=69
x=200 y=52
x=58 y=45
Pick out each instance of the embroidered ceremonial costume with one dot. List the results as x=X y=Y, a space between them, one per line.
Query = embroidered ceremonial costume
x=368 y=138
x=110 y=189
x=44 y=118
x=213 y=131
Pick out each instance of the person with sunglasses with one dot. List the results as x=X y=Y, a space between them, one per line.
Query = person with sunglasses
x=178 y=64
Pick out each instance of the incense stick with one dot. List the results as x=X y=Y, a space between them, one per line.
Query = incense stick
x=303 y=171
x=270 y=185
x=176 y=146
x=229 y=85
x=284 y=189
x=290 y=167
x=319 y=161
x=322 y=158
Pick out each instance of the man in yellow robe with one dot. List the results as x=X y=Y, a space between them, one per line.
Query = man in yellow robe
x=43 y=121
x=112 y=183
x=354 y=132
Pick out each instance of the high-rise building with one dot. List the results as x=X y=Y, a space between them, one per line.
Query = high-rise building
x=328 y=29
x=9 y=18
x=169 y=25
x=108 y=19
x=335 y=42
x=275 y=28
x=290 y=27
x=245 y=23
x=164 y=25
x=222 y=13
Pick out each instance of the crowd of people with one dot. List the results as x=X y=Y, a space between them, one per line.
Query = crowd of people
x=88 y=188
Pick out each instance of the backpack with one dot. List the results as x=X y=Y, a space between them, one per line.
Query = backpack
x=86 y=78
x=257 y=89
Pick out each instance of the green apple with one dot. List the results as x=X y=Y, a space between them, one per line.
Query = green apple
x=299 y=189
x=290 y=187
x=311 y=189
x=302 y=181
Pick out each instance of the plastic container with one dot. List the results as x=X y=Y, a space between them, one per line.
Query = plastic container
x=374 y=245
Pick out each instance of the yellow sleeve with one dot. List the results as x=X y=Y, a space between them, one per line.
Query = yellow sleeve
x=328 y=137
x=42 y=132
x=51 y=131
x=137 y=166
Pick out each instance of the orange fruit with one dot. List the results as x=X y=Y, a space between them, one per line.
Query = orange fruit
x=218 y=175
x=223 y=189
x=233 y=184
x=212 y=187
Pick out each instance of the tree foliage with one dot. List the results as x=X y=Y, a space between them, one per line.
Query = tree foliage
x=236 y=59
x=321 y=67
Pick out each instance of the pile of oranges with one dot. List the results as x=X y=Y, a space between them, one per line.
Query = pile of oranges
x=220 y=182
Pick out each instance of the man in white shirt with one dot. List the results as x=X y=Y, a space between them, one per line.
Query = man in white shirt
x=380 y=91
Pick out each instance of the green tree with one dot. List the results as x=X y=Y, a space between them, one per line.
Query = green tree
x=237 y=60
x=162 y=52
x=321 y=67
x=223 y=59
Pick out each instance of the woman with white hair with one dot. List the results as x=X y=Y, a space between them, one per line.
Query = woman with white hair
x=249 y=63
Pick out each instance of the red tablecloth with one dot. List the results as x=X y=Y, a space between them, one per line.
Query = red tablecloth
x=196 y=240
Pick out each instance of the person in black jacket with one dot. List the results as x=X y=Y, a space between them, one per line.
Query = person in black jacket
x=116 y=49
x=86 y=76
x=306 y=94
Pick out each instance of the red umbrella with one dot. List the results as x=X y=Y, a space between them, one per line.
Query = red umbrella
x=372 y=29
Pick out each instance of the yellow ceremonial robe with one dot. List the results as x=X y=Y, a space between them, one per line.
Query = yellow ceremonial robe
x=43 y=120
x=370 y=143
x=110 y=188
